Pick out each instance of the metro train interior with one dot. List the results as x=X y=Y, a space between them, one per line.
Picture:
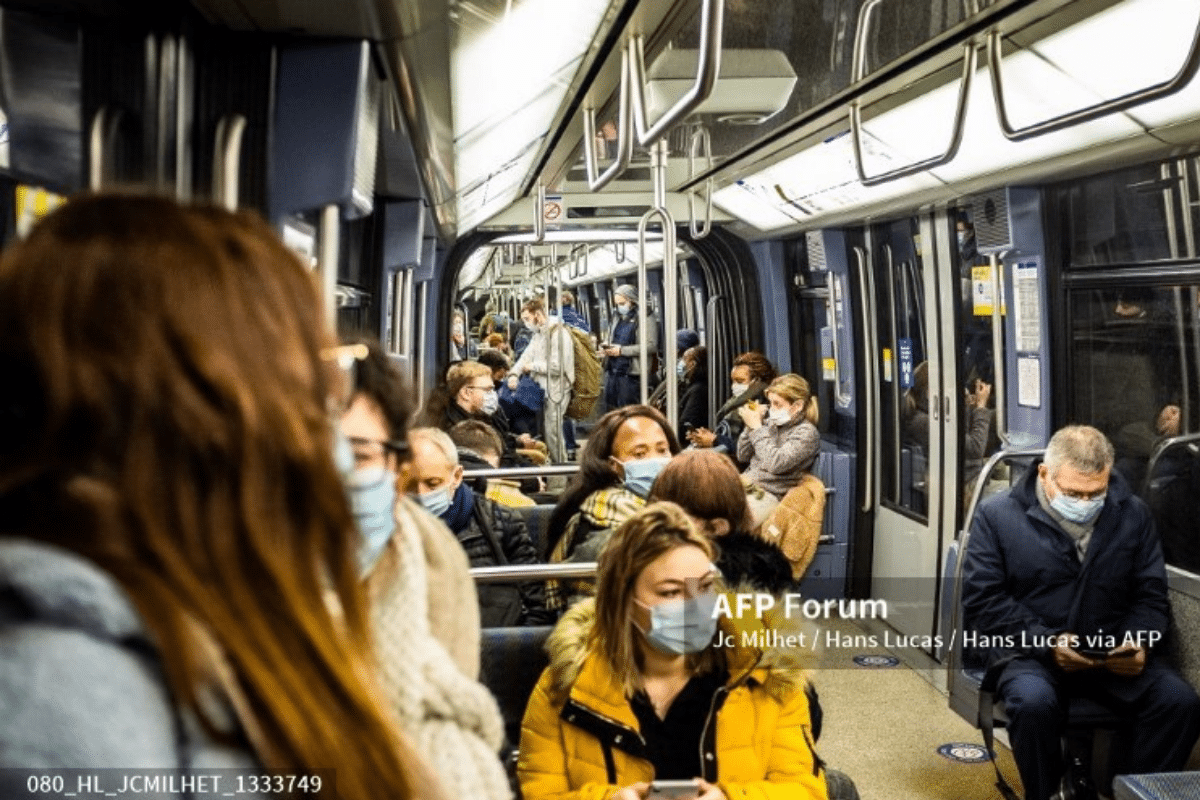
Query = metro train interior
x=901 y=200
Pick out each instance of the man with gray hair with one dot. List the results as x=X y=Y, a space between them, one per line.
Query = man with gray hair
x=1065 y=595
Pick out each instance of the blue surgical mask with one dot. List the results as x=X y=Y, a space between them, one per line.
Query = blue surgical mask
x=680 y=368
x=372 y=499
x=622 y=309
x=491 y=403
x=640 y=475
x=1077 y=509
x=683 y=626
x=436 y=502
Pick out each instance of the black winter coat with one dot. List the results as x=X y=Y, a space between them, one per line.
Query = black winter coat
x=503 y=605
x=745 y=559
x=1022 y=578
x=693 y=407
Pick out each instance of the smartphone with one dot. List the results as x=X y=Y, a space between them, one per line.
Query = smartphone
x=1103 y=655
x=674 y=790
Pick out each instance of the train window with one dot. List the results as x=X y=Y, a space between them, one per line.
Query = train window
x=1135 y=357
x=1139 y=215
x=903 y=379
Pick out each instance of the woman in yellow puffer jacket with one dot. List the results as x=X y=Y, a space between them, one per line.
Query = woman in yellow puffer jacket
x=643 y=685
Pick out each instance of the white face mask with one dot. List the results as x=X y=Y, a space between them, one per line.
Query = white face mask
x=780 y=416
x=458 y=329
x=739 y=389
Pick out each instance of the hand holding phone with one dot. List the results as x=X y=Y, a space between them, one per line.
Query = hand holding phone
x=674 y=790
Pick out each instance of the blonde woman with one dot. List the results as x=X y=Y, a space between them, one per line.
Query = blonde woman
x=641 y=688
x=781 y=440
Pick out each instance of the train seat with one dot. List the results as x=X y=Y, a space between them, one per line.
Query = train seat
x=537 y=520
x=511 y=661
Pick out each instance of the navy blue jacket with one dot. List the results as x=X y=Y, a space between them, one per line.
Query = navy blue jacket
x=1021 y=574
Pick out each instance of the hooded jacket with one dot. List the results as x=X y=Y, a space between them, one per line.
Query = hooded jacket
x=580 y=739
x=81 y=679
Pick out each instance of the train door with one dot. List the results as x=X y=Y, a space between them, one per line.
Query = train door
x=911 y=447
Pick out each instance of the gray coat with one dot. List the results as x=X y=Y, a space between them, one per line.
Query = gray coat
x=779 y=455
x=81 y=682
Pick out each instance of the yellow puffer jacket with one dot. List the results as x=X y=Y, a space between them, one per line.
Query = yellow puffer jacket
x=580 y=738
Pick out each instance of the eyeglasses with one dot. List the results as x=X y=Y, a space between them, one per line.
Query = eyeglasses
x=1077 y=495
x=370 y=460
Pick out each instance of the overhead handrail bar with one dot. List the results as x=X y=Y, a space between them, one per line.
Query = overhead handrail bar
x=1155 y=92
x=539 y=214
x=700 y=137
x=227 y=159
x=598 y=180
x=956 y=133
x=712 y=17
x=533 y=572
x=998 y=349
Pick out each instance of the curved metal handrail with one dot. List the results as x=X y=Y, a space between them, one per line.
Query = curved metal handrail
x=998 y=366
x=700 y=137
x=872 y=339
x=965 y=536
x=946 y=156
x=533 y=572
x=598 y=180
x=1159 y=90
x=1164 y=446
x=712 y=18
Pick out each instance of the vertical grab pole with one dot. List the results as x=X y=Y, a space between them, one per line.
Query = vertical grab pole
x=998 y=350
x=327 y=262
x=670 y=278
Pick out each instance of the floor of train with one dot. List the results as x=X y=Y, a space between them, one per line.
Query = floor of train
x=884 y=726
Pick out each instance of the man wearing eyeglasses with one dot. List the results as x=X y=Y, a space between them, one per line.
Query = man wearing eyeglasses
x=1065 y=592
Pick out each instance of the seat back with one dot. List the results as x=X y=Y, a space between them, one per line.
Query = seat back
x=537 y=520
x=511 y=661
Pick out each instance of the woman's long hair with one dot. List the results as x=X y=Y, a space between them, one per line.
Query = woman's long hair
x=652 y=532
x=595 y=470
x=168 y=419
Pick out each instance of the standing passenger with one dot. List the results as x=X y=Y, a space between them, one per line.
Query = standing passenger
x=550 y=360
x=638 y=689
x=179 y=571
x=623 y=364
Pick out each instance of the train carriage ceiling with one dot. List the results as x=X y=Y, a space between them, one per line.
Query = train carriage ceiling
x=492 y=93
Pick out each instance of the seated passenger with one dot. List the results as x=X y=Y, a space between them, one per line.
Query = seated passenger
x=479 y=447
x=706 y=485
x=751 y=374
x=692 y=371
x=638 y=690
x=627 y=449
x=781 y=441
x=490 y=534
x=1064 y=574
x=179 y=576
x=470 y=395
x=423 y=605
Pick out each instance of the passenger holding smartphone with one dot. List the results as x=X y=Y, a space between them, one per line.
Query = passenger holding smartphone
x=648 y=691
x=1064 y=577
